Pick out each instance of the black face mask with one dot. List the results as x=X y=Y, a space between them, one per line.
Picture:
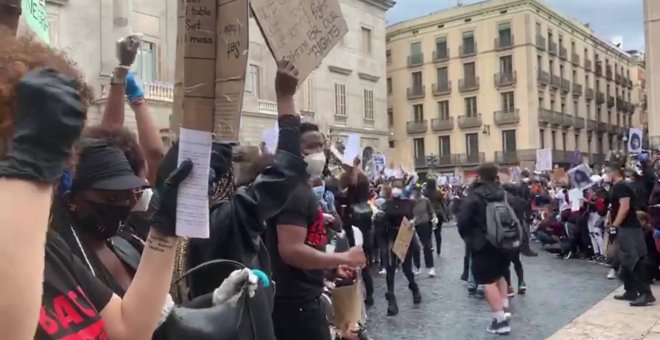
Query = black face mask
x=103 y=220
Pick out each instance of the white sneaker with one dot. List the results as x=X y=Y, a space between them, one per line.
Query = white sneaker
x=417 y=271
x=432 y=272
x=382 y=272
x=611 y=275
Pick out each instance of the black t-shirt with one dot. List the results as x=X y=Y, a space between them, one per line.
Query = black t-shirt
x=302 y=209
x=622 y=190
x=72 y=298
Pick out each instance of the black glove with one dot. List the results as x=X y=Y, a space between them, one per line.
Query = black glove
x=164 y=219
x=50 y=119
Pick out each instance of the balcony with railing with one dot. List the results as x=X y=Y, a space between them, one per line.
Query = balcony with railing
x=433 y=160
x=540 y=42
x=565 y=119
x=610 y=101
x=599 y=69
x=440 y=56
x=442 y=124
x=555 y=81
x=592 y=125
x=417 y=126
x=416 y=60
x=469 y=121
x=416 y=92
x=565 y=85
x=420 y=161
x=504 y=42
x=468 y=50
x=446 y=160
x=589 y=94
x=563 y=53
x=587 y=64
x=506 y=157
x=552 y=48
x=620 y=104
x=602 y=127
x=600 y=97
x=578 y=123
x=507 y=117
x=608 y=72
x=612 y=129
x=617 y=78
x=160 y=91
x=442 y=88
x=630 y=84
x=575 y=59
x=543 y=78
x=472 y=158
x=505 y=79
x=577 y=89
x=468 y=84
x=267 y=106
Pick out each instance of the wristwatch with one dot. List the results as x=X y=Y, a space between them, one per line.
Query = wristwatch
x=119 y=76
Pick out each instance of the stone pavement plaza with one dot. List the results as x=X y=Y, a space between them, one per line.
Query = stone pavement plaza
x=614 y=320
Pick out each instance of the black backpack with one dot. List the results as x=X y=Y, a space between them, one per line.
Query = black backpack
x=503 y=229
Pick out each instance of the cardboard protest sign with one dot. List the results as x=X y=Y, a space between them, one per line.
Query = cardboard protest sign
x=403 y=239
x=347 y=306
x=36 y=18
x=232 y=46
x=302 y=31
x=559 y=175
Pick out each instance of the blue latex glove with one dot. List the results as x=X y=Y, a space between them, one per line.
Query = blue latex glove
x=656 y=234
x=134 y=89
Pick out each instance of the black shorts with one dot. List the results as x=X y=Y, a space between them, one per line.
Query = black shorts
x=489 y=264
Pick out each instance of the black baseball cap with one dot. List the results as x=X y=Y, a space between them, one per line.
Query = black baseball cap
x=104 y=166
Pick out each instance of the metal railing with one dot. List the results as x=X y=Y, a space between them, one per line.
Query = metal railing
x=577 y=89
x=505 y=79
x=540 y=42
x=415 y=60
x=468 y=84
x=543 y=77
x=442 y=124
x=442 y=88
x=469 y=121
x=506 y=117
x=471 y=158
x=419 y=126
x=416 y=92
x=440 y=56
x=504 y=42
x=468 y=50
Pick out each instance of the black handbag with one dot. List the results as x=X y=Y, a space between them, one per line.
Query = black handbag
x=201 y=320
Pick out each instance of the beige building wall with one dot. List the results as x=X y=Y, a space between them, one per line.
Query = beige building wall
x=541 y=106
x=652 y=34
x=88 y=30
x=355 y=65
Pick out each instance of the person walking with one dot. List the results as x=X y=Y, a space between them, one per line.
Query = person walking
x=424 y=220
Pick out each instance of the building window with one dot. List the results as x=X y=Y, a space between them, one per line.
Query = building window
x=553 y=137
x=340 y=99
x=469 y=47
x=506 y=65
x=417 y=82
x=471 y=106
x=551 y=67
x=389 y=85
x=441 y=48
x=577 y=141
x=538 y=28
x=472 y=144
x=588 y=115
x=443 y=110
x=539 y=62
x=508 y=103
x=509 y=141
x=542 y=138
x=390 y=117
x=541 y=102
x=561 y=71
x=366 y=41
x=444 y=146
x=369 y=104
x=388 y=56
x=563 y=106
x=443 y=77
x=418 y=148
x=416 y=49
x=576 y=108
x=146 y=62
x=563 y=141
x=418 y=112
x=589 y=144
x=505 y=35
x=469 y=73
x=252 y=83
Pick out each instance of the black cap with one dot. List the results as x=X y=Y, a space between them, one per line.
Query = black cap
x=105 y=167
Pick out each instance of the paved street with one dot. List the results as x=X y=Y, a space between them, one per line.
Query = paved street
x=558 y=291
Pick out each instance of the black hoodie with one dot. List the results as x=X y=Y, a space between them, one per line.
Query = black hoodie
x=472 y=217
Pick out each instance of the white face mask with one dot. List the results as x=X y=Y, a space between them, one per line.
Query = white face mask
x=397 y=192
x=315 y=163
x=143 y=203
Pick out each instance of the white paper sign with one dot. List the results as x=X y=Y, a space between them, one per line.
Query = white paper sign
x=580 y=176
x=543 y=159
x=270 y=137
x=575 y=197
x=352 y=149
x=192 y=209
x=635 y=140
x=379 y=161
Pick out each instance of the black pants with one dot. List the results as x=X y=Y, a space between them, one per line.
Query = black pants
x=518 y=267
x=425 y=230
x=300 y=321
x=407 y=270
x=367 y=246
x=636 y=280
x=416 y=257
x=466 y=261
x=438 y=238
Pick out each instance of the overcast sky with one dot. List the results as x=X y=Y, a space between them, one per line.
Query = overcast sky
x=608 y=18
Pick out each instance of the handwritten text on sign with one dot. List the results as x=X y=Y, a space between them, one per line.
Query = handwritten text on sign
x=302 y=31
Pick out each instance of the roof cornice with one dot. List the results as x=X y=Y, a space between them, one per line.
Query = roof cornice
x=382 y=4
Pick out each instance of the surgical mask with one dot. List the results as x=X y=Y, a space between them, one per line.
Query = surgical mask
x=319 y=191
x=143 y=203
x=606 y=178
x=103 y=220
x=315 y=163
x=397 y=192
